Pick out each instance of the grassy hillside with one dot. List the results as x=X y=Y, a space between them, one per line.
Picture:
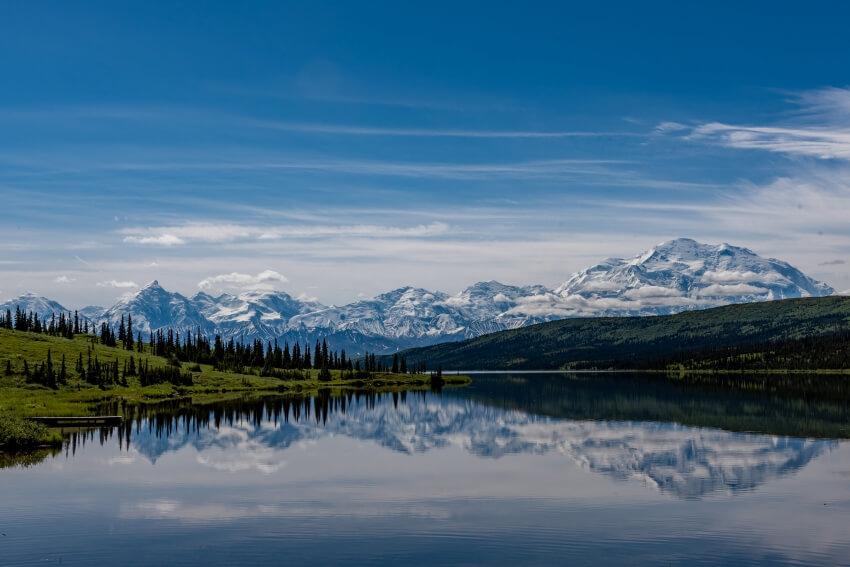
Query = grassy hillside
x=796 y=333
x=78 y=397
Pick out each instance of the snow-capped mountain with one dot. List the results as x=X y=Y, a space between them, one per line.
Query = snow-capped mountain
x=152 y=308
x=93 y=312
x=486 y=307
x=403 y=312
x=255 y=313
x=43 y=307
x=673 y=276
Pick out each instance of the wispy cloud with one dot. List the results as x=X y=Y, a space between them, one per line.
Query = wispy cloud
x=813 y=142
x=63 y=279
x=355 y=130
x=532 y=169
x=117 y=284
x=207 y=232
x=819 y=128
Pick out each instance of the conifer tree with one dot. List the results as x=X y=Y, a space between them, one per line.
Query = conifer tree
x=63 y=372
x=128 y=345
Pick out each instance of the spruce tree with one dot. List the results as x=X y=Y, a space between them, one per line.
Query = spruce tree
x=129 y=343
x=63 y=373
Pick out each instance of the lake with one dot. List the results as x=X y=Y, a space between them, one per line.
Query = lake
x=516 y=469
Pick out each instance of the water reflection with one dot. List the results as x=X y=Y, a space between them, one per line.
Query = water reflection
x=686 y=461
x=513 y=470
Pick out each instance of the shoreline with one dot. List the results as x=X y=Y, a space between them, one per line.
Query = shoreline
x=19 y=404
x=777 y=371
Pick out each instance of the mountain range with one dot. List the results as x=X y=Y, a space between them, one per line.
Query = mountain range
x=674 y=276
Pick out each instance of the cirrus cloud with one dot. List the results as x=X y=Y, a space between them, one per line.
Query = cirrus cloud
x=821 y=129
x=217 y=233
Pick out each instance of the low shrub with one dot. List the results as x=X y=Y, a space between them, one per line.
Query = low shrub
x=17 y=433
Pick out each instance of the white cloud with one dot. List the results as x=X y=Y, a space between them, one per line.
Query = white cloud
x=730 y=290
x=651 y=291
x=117 y=284
x=267 y=279
x=209 y=233
x=552 y=305
x=156 y=240
x=63 y=279
x=667 y=127
x=729 y=276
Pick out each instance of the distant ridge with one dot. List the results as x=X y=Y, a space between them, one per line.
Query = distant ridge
x=674 y=276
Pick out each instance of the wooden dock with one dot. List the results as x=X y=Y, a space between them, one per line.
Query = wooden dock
x=85 y=421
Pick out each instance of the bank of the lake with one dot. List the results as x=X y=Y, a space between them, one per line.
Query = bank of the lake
x=21 y=399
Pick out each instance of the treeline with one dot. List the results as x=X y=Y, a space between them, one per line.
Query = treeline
x=99 y=373
x=269 y=357
x=830 y=351
x=63 y=326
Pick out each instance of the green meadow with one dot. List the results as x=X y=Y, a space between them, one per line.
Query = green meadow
x=20 y=399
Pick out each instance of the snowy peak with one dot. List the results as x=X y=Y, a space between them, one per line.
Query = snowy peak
x=682 y=274
x=45 y=308
x=153 y=307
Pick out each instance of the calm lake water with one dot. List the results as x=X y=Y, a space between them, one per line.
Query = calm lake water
x=513 y=470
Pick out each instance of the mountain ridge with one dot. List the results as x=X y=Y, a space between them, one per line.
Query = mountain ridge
x=673 y=276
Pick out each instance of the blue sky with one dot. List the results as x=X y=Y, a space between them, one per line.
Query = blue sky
x=356 y=147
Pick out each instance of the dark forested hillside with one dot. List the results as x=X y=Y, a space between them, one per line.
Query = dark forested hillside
x=809 y=333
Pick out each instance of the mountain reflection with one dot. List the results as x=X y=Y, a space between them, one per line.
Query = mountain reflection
x=684 y=461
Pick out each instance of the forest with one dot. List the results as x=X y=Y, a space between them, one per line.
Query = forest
x=791 y=334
